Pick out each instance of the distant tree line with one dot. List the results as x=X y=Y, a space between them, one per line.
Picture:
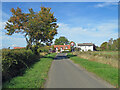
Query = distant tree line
x=111 y=45
x=61 y=41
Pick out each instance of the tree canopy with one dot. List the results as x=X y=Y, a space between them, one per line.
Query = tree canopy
x=112 y=45
x=37 y=27
x=61 y=41
x=104 y=46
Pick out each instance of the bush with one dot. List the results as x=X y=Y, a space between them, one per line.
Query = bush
x=77 y=49
x=14 y=62
x=66 y=51
x=43 y=49
x=89 y=50
x=82 y=50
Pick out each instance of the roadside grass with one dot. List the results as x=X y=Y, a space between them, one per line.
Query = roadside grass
x=110 y=52
x=34 y=77
x=105 y=57
x=104 y=71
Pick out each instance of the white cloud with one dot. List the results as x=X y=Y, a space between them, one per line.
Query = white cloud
x=106 y=4
x=10 y=41
x=98 y=32
x=2 y=25
x=14 y=45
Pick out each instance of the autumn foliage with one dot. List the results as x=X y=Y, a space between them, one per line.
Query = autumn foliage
x=37 y=27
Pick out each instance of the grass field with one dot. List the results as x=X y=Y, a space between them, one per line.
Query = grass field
x=109 y=52
x=34 y=77
x=105 y=57
x=104 y=71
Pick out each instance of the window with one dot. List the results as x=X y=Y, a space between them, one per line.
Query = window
x=61 y=48
x=66 y=47
x=56 y=48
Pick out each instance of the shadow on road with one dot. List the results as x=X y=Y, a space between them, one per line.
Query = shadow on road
x=62 y=56
x=70 y=55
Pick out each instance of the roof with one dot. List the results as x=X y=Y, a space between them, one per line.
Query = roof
x=60 y=45
x=18 y=47
x=85 y=44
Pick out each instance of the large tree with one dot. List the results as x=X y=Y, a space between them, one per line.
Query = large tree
x=104 y=46
x=37 y=27
x=61 y=41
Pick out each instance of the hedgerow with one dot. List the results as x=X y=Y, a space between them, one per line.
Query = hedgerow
x=14 y=62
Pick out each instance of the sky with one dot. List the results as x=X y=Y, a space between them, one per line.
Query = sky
x=81 y=22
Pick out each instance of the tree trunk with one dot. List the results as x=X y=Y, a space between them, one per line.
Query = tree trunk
x=29 y=44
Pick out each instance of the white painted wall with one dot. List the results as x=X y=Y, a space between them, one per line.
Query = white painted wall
x=85 y=48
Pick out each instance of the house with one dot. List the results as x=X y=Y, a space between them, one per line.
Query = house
x=85 y=46
x=62 y=48
x=18 y=47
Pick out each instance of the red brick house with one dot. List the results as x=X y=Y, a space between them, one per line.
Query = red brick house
x=18 y=47
x=62 y=48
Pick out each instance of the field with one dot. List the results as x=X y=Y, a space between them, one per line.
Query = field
x=108 y=52
x=105 y=57
x=105 y=71
x=34 y=77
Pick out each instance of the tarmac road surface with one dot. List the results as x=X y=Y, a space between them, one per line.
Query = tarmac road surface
x=65 y=74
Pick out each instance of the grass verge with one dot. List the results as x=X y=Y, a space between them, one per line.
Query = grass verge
x=34 y=77
x=104 y=71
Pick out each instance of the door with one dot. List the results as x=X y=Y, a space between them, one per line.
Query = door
x=61 y=49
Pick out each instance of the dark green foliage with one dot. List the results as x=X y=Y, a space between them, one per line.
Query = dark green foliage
x=89 y=50
x=111 y=45
x=44 y=49
x=66 y=51
x=61 y=41
x=104 y=46
x=77 y=49
x=14 y=62
x=34 y=77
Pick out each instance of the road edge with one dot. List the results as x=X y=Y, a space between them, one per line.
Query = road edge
x=92 y=75
x=45 y=84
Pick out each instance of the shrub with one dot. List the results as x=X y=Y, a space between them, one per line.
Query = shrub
x=58 y=50
x=89 y=50
x=43 y=49
x=66 y=51
x=94 y=54
x=77 y=49
x=14 y=62
x=82 y=50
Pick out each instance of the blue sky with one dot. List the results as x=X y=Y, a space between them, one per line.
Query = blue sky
x=82 y=22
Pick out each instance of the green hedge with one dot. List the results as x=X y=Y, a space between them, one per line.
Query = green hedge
x=66 y=51
x=14 y=62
